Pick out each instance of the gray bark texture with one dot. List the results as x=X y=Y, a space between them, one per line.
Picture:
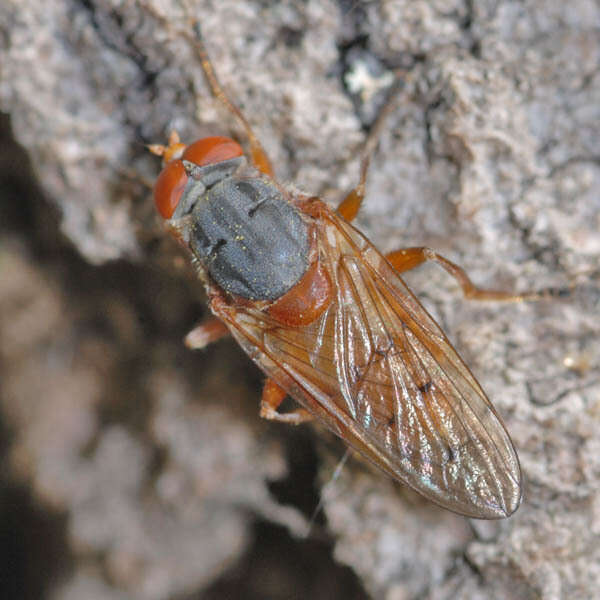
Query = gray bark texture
x=134 y=468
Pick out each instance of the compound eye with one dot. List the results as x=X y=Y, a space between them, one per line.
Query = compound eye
x=210 y=150
x=169 y=187
x=172 y=180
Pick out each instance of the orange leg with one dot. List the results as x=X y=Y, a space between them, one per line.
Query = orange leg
x=257 y=152
x=206 y=333
x=409 y=258
x=259 y=156
x=350 y=205
x=212 y=330
x=271 y=400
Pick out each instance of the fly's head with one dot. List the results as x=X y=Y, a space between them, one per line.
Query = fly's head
x=188 y=171
x=239 y=225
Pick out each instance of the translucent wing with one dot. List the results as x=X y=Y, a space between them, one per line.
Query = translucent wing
x=378 y=371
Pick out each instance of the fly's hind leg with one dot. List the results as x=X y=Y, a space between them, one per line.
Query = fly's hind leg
x=272 y=397
x=214 y=329
x=409 y=258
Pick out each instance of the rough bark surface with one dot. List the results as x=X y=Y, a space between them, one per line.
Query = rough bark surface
x=145 y=467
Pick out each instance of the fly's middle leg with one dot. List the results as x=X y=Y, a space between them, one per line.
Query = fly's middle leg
x=206 y=333
x=351 y=204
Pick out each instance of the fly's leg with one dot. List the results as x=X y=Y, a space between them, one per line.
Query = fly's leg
x=271 y=400
x=214 y=329
x=409 y=258
x=258 y=154
x=350 y=205
x=206 y=333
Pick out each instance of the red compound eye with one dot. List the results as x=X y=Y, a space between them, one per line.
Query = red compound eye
x=212 y=150
x=171 y=182
x=169 y=187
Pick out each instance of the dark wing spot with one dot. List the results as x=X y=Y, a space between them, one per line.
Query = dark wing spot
x=451 y=454
x=425 y=388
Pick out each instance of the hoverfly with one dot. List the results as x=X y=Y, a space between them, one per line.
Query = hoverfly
x=329 y=320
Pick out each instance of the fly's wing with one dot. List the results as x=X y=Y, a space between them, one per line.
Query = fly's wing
x=377 y=370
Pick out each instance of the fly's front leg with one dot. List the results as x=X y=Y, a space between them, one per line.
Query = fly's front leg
x=409 y=258
x=258 y=155
x=271 y=400
x=206 y=333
